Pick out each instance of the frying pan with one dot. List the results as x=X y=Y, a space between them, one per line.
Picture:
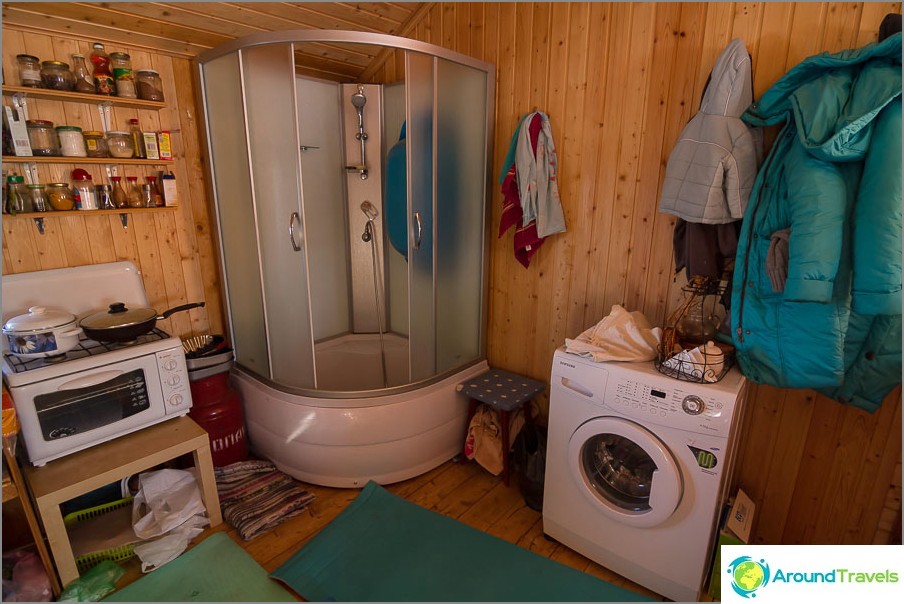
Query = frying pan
x=121 y=324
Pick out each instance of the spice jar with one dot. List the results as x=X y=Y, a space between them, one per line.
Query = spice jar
x=95 y=143
x=134 y=193
x=84 y=81
x=105 y=197
x=17 y=199
x=72 y=143
x=84 y=187
x=55 y=75
x=60 y=197
x=38 y=198
x=119 y=144
x=29 y=71
x=42 y=137
x=150 y=87
x=122 y=75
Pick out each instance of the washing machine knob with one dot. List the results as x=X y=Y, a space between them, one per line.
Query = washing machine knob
x=693 y=405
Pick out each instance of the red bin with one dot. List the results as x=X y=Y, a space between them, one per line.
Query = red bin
x=217 y=408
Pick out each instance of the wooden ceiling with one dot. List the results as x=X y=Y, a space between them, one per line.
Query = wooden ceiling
x=188 y=28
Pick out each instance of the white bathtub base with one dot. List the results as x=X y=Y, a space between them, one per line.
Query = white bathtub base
x=348 y=442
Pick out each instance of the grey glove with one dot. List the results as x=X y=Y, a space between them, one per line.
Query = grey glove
x=777 y=259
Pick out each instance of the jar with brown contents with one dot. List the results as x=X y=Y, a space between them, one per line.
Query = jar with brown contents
x=60 y=197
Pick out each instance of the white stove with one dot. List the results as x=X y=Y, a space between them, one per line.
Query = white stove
x=98 y=390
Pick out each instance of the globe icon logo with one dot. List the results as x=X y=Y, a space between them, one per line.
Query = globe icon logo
x=748 y=575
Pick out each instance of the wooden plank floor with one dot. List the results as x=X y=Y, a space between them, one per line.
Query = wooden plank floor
x=463 y=491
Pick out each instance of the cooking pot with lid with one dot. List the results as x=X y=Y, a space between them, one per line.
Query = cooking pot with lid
x=121 y=324
x=43 y=332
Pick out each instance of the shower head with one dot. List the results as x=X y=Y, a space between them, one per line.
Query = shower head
x=369 y=210
x=358 y=99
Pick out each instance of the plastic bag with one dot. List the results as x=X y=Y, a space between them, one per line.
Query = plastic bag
x=95 y=584
x=484 y=440
x=28 y=581
x=166 y=499
x=156 y=553
x=529 y=462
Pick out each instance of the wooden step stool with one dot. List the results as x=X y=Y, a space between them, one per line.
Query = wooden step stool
x=505 y=392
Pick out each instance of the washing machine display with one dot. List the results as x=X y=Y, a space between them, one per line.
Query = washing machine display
x=638 y=467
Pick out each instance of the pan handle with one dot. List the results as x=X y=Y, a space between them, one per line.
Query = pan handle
x=167 y=313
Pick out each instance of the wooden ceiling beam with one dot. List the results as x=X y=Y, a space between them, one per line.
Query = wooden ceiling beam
x=384 y=55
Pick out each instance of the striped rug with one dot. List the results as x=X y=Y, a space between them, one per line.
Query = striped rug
x=255 y=496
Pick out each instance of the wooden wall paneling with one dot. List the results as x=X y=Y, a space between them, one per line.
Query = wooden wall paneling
x=152 y=273
x=76 y=245
x=716 y=36
x=463 y=31
x=746 y=24
x=805 y=38
x=448 y=21
x=871 y=16
x=476 y=24
x=842 y=26
x=585 y=195
x=171 y=263
x=50 y=248
x=97 y=232
x=19 y=245
x=773 y=48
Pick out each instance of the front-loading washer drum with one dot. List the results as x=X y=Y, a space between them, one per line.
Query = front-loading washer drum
x=625 y=471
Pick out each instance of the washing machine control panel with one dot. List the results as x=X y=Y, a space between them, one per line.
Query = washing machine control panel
x=677 y=407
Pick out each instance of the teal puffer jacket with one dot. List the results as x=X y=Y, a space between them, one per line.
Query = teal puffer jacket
x=816 y=299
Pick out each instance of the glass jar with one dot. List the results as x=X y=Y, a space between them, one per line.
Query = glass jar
x=17 y=198
x=147 y=196
x=105 y=197
x=122 y=74
x=120 y=198
x=55 y=75
x=96 y=144
x=29 y=71
x=134 y=193
x=38 y=198
x=119 y=144
x=83 y=185
x=72 y=143
x=84 y=81
x=42 y=137
x=150 y=86
x=60 y=197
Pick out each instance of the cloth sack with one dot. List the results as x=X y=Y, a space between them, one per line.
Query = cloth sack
x=484 y=441
x=621 y=336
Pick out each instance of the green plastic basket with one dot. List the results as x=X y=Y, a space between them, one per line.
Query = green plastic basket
x=86 y=562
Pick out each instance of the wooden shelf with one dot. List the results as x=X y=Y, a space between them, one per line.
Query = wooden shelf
x=59 y=159
x=60 y=214
x=81 y=97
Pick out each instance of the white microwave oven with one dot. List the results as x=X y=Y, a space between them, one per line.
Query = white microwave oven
x=69 y=405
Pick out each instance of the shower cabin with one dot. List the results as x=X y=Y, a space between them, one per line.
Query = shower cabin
x=352 y=216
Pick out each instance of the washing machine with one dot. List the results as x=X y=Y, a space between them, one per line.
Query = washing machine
x=638 y=468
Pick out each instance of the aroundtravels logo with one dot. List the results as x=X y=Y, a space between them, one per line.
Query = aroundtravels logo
x=748 y=575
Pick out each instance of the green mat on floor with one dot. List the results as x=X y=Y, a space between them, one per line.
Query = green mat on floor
x=383 y=548
x=215 y=570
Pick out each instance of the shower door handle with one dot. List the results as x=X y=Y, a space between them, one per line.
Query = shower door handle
x=418 y=230
x=294 y=218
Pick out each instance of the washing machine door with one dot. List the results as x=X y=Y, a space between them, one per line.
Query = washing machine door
x=627 y=471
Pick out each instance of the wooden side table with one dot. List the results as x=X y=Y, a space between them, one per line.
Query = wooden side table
x=63 y=479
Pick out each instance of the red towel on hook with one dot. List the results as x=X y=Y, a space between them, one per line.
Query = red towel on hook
x=526 y=241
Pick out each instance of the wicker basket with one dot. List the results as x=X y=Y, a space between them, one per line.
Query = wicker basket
x=86 y=562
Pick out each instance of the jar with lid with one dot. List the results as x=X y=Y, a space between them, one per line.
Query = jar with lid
x=17 y=198
x=42 y=137
x=134 y=193
x=95 y=143
x=84 y=81
x=84 y=187
x=72 y=143
x=119 y=144
x=56 y=75
x=120 y=198
x=38 y=198
x=150 y=86
x=122 y=75
x=105 y=197
x=103 y=75
x=155 y=191
x=60 y=197
x=29 y=71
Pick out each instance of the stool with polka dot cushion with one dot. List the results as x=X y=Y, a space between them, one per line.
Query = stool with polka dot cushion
x=505 y=392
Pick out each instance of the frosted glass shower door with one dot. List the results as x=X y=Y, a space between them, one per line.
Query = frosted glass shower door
x=272 y=131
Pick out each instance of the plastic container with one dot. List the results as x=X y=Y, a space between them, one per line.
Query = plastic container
x=84 y=81
x=122 y=75
x=117 y=554
x=38 y=194
x=119 y=144
x=60 y=197
x=103 y=75
x=29 y=71
x=87 y=194
x=72 y=142
x=42 y=137
x=96 y=144
x=150 y=86
x=56 y=75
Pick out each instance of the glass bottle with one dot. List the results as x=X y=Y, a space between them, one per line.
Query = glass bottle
x=155 y=192
x=120 y=198
x=29 y=71
x=84 y=81
x=137 y=138
x=122 y=74
x=16 y=196
x=105 y=197
x=38 y=198
x=103 y=76
x=147 y=196
x=135 y=199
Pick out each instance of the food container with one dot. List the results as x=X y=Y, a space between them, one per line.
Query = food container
x=72 y=142
x=38 y=195
x=96 y=144
x=122 y=74
x=43 y=332
x=29 y=71
x=150 y=86
x=60 y=197
x=42 y=137
x=119 y=144
x=84 y=186
x=56 y=75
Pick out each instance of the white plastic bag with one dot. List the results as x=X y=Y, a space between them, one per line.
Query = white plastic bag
x=156 y=553
x=166 y=499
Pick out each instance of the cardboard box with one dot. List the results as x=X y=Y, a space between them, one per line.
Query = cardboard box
x=170 y=193
x=150 y=145
x=734 y=529
x=163 y=141
x=15 y=121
